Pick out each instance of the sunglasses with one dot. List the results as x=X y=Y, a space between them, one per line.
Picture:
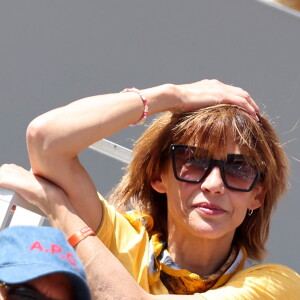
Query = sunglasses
x=191 y=164
x=23 y=292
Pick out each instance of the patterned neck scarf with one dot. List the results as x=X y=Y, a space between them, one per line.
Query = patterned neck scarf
x=182 y=282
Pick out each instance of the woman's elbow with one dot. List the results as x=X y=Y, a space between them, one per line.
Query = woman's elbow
x=37 y=137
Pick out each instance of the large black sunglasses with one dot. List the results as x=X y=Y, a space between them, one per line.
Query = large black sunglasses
x=191 y=164
x=23 y=292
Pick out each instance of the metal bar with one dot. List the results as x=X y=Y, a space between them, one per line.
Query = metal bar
x=6 y=197
x=19 y=201
x=112 y=150
x=11 y=198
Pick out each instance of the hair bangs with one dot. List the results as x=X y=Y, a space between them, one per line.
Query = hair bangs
x=204 y=131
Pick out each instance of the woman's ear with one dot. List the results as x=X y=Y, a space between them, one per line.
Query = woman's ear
x=259 y=197
x=158 y=184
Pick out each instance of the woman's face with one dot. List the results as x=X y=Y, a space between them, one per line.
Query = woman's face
x=54 y=286
x=207 y=209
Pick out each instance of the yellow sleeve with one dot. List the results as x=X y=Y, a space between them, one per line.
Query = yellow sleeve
x=129 y=244
x=262 y=282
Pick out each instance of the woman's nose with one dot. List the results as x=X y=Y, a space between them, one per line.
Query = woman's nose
x=213 y=183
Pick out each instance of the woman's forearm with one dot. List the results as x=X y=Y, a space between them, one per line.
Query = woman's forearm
x=70 y=129
x=106 y=276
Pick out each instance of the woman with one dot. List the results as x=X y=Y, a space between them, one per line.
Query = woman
x=203 y=182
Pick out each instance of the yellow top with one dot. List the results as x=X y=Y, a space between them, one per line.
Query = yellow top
x=144 y=256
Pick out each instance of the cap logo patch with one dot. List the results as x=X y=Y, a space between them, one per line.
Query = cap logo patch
x=54 y=249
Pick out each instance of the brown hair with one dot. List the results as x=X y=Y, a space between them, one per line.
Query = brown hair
x=207 y=127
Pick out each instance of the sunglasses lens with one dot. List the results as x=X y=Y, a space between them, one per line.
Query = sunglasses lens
x=239 y=173
x=190 y=164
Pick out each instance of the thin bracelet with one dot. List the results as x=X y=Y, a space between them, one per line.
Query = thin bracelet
x=145 y=103
x=80 y=235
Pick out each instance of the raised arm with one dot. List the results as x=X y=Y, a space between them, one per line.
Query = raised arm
x=55 y=138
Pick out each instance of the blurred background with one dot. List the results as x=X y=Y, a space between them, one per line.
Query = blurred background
x=54 y=52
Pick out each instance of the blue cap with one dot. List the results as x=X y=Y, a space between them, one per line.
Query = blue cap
x=30 y=252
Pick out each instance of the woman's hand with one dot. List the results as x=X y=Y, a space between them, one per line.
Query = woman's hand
x=34 y=189
x=206 y=93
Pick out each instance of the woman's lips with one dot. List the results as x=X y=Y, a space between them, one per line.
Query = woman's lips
x=209 y=209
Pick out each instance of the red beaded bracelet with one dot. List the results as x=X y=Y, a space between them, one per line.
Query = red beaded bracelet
x=80 y=235
x=145 y=103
